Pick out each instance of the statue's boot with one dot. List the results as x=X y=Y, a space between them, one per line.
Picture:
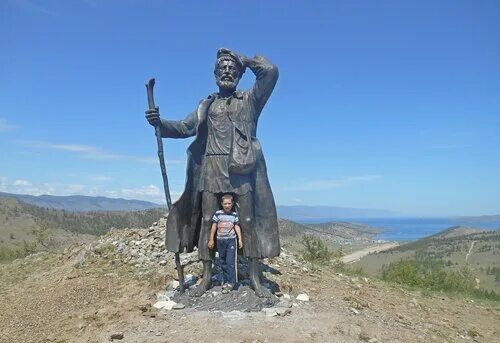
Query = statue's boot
x=206 y=282
x=260 y=291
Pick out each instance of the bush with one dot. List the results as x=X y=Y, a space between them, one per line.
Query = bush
x=432 y=276
x=316 y=251
x=402 y=272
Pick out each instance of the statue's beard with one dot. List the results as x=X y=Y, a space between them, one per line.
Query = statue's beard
x=227 y=84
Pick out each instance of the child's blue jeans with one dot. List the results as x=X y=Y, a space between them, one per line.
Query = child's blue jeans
x=228 y=259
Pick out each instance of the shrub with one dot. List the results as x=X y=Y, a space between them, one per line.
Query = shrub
x=316 y=251
x=432 y=276
x=403 y=272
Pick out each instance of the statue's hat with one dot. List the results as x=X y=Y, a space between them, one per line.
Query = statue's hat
x=223 y=52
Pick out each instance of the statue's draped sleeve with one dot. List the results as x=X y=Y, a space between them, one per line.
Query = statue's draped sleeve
x=266 y=75
x=179 y=128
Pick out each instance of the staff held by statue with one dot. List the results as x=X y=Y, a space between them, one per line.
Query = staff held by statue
x=152 y=107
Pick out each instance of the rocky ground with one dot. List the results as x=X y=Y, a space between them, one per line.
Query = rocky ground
x=121 y=288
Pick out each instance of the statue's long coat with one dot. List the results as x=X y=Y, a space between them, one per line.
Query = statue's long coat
x=184 y=219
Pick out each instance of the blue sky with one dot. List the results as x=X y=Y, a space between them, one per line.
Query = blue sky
x=380 y=104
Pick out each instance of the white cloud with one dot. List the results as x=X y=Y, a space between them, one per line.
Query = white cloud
x=317 y=185
x=151 y=193
x=4 y=126
x=21 y=183
x=96 y=153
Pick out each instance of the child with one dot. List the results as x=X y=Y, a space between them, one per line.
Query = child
x=226 y=224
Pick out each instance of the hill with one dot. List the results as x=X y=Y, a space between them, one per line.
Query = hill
x=348 y=230
x=457 y=231
x=107 y=291
x=82 y=203
x=26 y=228
x=452 y=249
x=344 y=236
x=322 y=213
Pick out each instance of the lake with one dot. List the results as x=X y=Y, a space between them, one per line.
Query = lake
x=409 y=229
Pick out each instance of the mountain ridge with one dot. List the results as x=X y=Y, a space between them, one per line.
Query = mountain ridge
x=83 y=203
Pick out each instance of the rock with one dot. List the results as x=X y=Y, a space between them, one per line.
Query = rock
x=303 y=297
x=163 y=263
x=285 y=303
x=164 y=304
x=270 y=311
x=175 y=284
x=145 y=307
x=282 y=311
x=178 y=306
x=118 y=335
x=353 y=310
x=79 y=260
x=286 y=296
x=373 y=340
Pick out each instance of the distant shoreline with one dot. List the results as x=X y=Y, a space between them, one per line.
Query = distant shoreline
x=413 y=228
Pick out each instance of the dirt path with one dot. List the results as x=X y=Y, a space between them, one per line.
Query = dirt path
x=355 y=256
x=470 y=250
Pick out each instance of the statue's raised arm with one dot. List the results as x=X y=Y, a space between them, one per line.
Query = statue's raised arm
x=266 y=75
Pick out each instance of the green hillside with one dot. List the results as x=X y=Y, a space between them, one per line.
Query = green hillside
x=452 y=250
x=26 y=228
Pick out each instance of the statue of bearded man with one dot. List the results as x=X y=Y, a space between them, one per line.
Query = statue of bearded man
x=225 y=157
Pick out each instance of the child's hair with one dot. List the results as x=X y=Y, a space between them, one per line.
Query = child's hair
x=227 y=197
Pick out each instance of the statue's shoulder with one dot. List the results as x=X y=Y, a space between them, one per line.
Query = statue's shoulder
x=211 y=97
x=208 y=98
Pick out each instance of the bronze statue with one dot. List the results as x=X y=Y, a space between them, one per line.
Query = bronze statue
x=225 y=157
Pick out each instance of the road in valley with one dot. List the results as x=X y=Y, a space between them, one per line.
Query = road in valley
x=357 y=255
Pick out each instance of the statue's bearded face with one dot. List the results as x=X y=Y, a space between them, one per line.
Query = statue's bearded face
x=227 y=75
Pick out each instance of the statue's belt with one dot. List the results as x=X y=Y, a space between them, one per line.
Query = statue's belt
x=217 y=154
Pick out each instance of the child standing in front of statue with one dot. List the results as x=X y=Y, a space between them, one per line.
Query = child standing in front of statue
x=226 y=226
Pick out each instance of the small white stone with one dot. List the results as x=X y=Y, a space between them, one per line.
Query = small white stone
x=353 y=310
x=286 y=296
x=303 y=297
x=165 y=304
